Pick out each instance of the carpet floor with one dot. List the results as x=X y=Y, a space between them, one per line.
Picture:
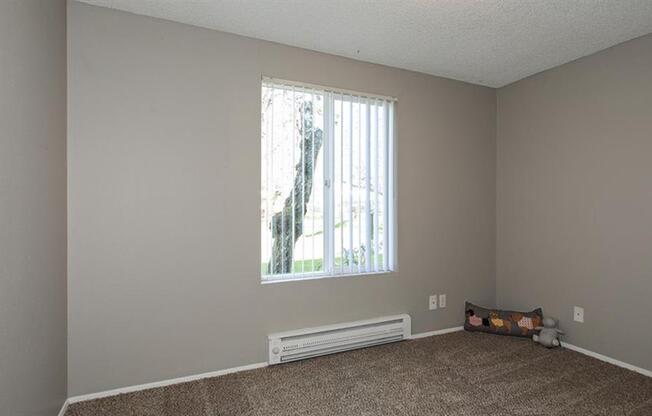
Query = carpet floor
x=455 y=374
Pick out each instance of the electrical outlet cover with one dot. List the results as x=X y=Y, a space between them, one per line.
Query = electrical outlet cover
x=442 y=301
x=578 y=314
x=433 y=302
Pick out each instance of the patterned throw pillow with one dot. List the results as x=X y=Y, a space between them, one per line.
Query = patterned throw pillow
x=496 y=321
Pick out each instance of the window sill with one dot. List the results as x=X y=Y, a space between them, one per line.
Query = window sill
x=327 y=276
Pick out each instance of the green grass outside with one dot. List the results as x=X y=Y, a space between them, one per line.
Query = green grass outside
x=306 y=266
x=299 y=266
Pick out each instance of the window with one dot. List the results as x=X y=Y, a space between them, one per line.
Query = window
x=328 y=182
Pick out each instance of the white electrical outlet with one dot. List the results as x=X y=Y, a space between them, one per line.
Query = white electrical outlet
x=442 y=301
x=578 y=314
x=433 y=302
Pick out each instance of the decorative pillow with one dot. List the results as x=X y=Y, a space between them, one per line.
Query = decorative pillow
x=496 y=321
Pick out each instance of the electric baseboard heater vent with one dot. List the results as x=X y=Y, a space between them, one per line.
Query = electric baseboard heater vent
x=313 y=342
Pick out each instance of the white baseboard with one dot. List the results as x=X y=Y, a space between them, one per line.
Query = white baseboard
x=64 y=407
x=584 y=351
x=130 y=389
x=139 y=387
x=607 y=359
x=437 y=332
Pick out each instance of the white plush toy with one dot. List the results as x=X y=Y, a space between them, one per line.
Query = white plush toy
x=549 y=334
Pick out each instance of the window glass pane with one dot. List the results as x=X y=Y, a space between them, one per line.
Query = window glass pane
x=326 y=177
x=292 y=181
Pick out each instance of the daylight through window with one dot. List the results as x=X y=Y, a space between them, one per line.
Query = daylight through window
x=328 y=182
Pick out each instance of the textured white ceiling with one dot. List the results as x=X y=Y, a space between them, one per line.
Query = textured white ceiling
x=488 y=42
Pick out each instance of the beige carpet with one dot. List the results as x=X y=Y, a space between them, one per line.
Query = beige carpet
x=456 y=374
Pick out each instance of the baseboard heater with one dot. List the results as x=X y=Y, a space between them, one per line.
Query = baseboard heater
x=313 y=342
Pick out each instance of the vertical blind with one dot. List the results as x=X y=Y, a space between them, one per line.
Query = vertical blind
x=328 y=182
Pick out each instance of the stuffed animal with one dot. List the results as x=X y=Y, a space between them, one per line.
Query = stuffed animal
x=549 y=334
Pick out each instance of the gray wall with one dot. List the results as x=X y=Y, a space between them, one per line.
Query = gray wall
x=575 y=198
x=32 y=207
x=164 y=138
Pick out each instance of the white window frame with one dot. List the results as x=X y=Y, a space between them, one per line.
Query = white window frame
x=391 y=250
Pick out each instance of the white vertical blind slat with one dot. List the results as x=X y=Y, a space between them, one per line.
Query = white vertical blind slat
x=391 y=194
x=269 y=176
x=292 y=166
x=302 y=143
x=331 y=210
x=368 y=228
x=312 y=175
x=376 y=190
x=360 y=207
x=350 y=186
x=329 y=229
x=343 y=221
x=386 y=152
x=282 y=163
